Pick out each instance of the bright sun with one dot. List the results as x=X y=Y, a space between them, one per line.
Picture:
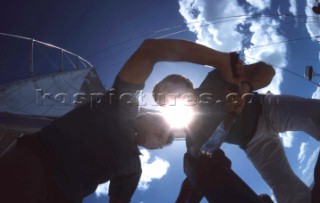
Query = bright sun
x=178 y=116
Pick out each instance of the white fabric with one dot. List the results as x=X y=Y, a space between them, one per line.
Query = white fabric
x=51 y=95
x=283 y=113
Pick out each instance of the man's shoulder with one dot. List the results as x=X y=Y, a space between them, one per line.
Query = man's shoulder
x=121 y=86
x=213 y=77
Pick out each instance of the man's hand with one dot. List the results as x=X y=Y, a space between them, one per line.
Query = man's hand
x=236 y=97
x=234 y=72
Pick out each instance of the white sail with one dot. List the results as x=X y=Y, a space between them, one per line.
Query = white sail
x=50 y=95
x=27 y=106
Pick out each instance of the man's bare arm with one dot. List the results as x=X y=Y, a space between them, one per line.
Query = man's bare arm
x=140 y=65
x=258 y=74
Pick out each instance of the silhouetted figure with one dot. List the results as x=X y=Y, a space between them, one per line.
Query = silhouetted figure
x=213 y=178
x=98 y=142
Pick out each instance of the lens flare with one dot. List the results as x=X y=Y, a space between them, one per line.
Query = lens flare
x=178 y=116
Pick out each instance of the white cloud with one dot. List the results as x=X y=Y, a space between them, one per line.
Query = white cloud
x=313 y=28
x=265 y=32
x=154 y=170
x=293 y=7
x=316 y=94
x=311 y=161
x=213 y=23
x=150 y=171
x=302 y=152
x=102 y=189
x=287 y=139
x=260 y=4
x=312 y=25
x=228 y=33
x=273 y=198
x=308 y=171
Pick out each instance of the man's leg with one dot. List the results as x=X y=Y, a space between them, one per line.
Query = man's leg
x=290 y=113
x=280 y=114
x=22 y=177
x=269 y=159
x=214 y=178
x=188 y=194
x=27 y=176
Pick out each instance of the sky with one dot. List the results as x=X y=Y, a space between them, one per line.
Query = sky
x=106 y=32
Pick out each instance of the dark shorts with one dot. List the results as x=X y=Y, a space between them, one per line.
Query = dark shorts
x=26 y=173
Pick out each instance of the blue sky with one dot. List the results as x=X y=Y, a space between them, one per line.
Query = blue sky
x=282 y=33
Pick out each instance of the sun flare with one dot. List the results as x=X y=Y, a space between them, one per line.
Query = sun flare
x=178 y=116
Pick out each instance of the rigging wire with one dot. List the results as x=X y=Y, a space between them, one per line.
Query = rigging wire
x=285 y=69
x=212 y=20
x=45 y=44
x=215 y=21
x=185 y=30
x=82 y=60
x=264 y=45
x=71 y=62
x=284 y=41
x=48 y=58
x=207 y=22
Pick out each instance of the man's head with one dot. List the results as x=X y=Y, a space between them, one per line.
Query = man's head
x=167 y=89
x=152 y=131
